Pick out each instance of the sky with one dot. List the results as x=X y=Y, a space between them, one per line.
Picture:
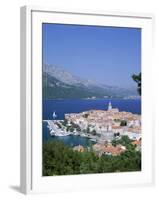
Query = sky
x=108 y=55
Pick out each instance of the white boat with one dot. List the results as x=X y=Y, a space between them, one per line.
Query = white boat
x=93 y=139
x=54 y=115
x=62 y=134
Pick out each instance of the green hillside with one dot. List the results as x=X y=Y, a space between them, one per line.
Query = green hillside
x=55 y=89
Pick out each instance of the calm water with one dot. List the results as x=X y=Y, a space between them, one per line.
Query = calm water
x=70 y=140
x=75 y=106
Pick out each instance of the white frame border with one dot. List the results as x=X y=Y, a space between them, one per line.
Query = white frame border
x=26 y=92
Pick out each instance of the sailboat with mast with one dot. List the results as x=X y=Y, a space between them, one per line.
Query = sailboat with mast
x=54 y=115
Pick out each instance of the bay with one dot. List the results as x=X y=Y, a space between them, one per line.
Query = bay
x=61 y=107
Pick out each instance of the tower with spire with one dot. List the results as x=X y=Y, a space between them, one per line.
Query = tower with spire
x=109 y=105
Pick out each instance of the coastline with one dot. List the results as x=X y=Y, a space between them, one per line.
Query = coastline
x=97 y=98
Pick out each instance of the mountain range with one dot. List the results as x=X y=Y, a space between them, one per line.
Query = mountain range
x=61 y=84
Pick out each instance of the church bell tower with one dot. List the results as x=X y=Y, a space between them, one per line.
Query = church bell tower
x=109 y=106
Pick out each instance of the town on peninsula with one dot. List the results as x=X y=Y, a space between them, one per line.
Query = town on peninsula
x=103 y=127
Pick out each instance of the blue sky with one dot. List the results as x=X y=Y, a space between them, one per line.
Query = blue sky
x=108 y=55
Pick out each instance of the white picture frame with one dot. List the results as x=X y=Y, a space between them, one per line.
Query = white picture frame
x=31 y=97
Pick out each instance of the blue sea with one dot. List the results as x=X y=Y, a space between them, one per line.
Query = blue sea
x=75 y=106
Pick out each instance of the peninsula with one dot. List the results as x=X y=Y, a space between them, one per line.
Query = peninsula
x=100 y=126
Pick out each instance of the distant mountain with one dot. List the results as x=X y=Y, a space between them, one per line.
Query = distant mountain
x=56 y=89
x=60 y=84
x=66 y=77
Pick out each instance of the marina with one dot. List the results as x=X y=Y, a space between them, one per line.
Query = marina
x=100 y=126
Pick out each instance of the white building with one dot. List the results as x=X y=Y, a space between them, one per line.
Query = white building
x=109 y=106
x=132 y=135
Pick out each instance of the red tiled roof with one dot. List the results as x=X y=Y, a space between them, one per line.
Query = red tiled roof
x=137 y=142
x=114 y=150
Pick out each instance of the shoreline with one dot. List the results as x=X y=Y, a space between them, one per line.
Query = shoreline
x=75 y=99
x=52 y=129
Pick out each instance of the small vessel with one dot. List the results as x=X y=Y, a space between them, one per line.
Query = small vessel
x=52 y=132
x=54 y=115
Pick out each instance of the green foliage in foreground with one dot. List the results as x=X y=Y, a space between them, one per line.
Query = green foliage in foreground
x=137 y=79
x=58 y=159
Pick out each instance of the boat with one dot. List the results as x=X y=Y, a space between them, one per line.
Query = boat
x=62 y=134
x=54 y=115
x=52 y=133
x=93 y=139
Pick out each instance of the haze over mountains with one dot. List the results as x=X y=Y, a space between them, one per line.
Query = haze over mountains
x=60 y=84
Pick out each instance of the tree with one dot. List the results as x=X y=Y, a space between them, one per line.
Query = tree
x=114 y=142
x=71 y=129
x=88 y=130
x=86 y=115
x=59 y=159
x=94 y=132
x=59 y=125
x=78 y=129
x=65 y=122
x=137 y=79
x=123 y=123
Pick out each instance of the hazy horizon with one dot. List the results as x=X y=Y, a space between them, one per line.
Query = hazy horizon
x=107 y=55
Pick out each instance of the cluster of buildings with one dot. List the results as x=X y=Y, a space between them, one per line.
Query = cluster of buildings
x=107 y=124
x=108 y=149
x=101 y=149
x=101 y=126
